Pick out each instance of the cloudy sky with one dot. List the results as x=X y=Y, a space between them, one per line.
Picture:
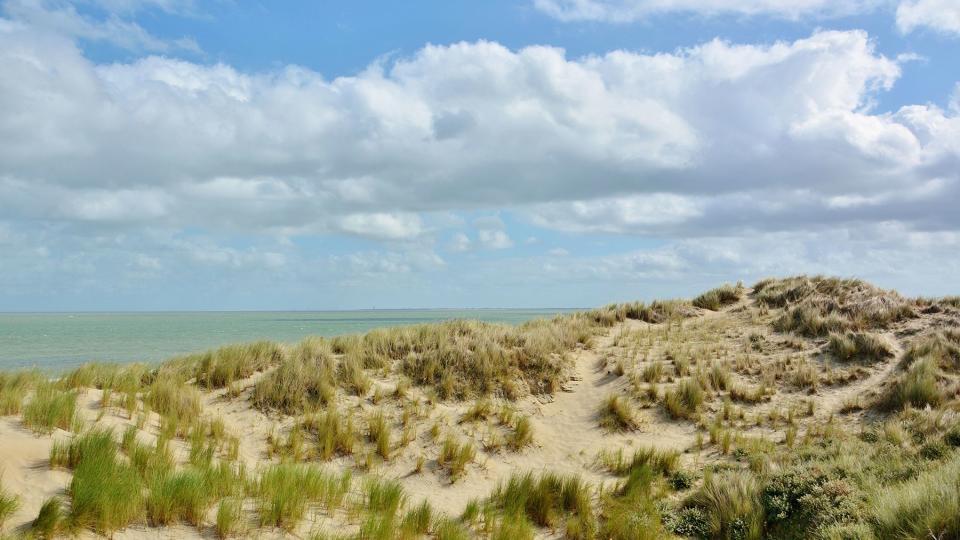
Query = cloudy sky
x=178 y=154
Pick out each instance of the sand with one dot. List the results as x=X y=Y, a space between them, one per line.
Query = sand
x=566 y=431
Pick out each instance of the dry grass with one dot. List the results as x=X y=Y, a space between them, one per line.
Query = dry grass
x=617 y=414
x=859 y=346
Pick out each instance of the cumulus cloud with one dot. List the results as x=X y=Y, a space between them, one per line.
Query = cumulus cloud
x=939 y=15
x=716 y=139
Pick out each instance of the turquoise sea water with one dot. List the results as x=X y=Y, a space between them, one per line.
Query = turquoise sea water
x=57 y=341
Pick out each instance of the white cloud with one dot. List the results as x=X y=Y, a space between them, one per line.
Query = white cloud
x=62 y=17
x=383 y=225
x=494 y=239
x=717 y=140
x=632 y=10
x=939 y=15
x=460 y=242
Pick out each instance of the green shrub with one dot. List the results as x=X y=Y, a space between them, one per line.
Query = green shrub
x=681 y=479
x=808 y=500
x=690 y=522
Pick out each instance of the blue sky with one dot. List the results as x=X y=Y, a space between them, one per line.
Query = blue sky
x=172 y=154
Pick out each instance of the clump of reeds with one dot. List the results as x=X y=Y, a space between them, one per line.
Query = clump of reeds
x=50 y=408
x=617 y=414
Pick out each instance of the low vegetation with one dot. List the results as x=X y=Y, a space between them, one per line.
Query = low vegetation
x=769 y=427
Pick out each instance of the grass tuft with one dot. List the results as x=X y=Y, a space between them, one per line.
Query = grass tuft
x=617 y=414
x=50 y=408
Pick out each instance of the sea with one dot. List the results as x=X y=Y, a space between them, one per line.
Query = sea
x=55 y=342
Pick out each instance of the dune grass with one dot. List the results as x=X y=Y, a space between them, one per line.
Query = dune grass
x=9 y=503
x=659 y=461
x=379 y=433
x=230 y=518
x=13 y=390
x=50 y=408
x=50 y=519
x=179 y=496
x=859 y=346
x=925 y=507
x=684 y=399
x=106 y=493
x=221 y=367
x=302 y=382
x=331 y=432
x=455 y=456
x=732 y=504
x=96 y=442
x=174 y=399
x=917 y=387
x=715 y=299
x=283 y=492
x=521 y=434
x=547 y=499
x=618 y=414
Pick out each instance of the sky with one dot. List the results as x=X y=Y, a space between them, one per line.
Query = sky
x=230 y=155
